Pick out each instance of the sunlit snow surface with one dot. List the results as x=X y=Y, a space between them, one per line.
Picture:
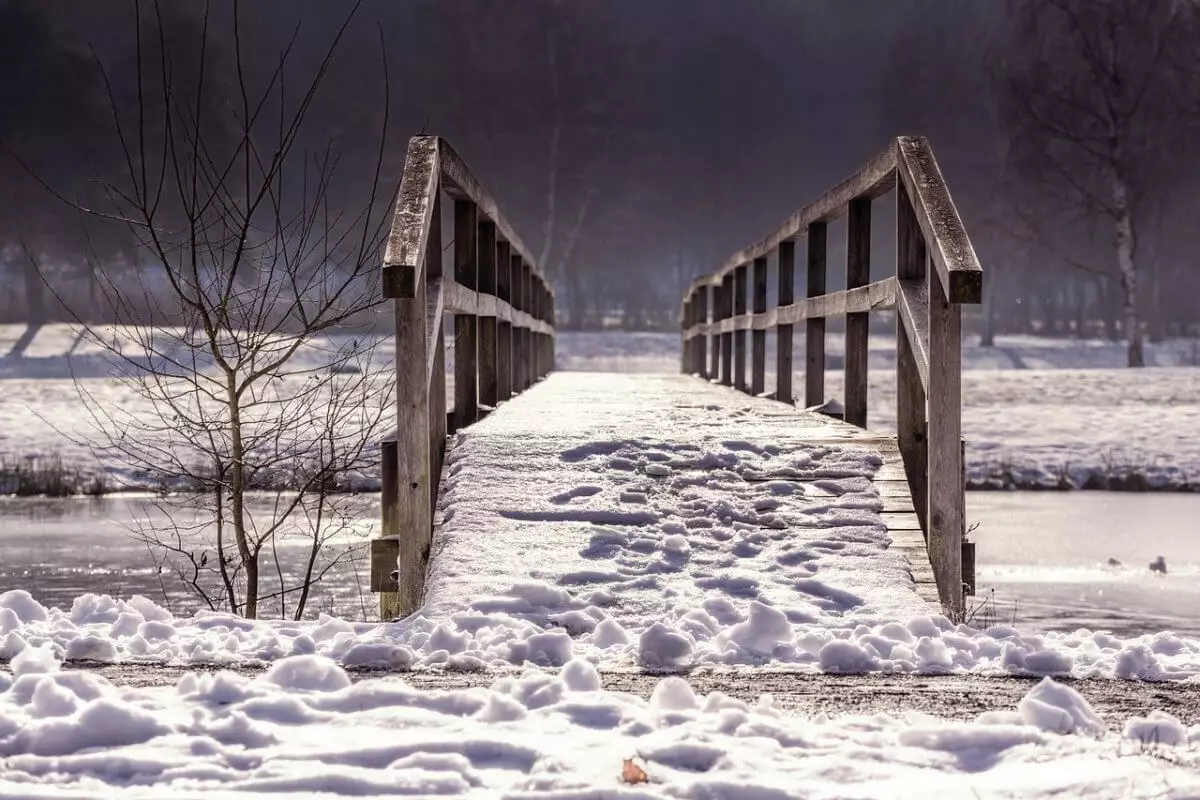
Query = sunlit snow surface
x=303 y=729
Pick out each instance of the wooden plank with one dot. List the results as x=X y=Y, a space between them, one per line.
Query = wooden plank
x=786 y=274
x=758 y=348
x=526 y=352
x=714 y=343
x=878 y=296
x=385 y=554
x=911 y=349
x=814 y=339
x=489 y=394
x=739 y=335
x=875 y=179
x=858 y=273
x=958 y=268
x=461 y=300
x=466 y=336
x=913 y=313
x=412 y=220
x=415 y=420
x=504 y=360
x=727 y=337
x=946 y=508
x=703 y=300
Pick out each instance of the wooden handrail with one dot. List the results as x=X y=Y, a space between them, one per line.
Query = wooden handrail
x=503 y=309
x=928 y=324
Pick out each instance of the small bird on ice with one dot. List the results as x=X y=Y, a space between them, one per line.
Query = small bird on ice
x=1159 y=565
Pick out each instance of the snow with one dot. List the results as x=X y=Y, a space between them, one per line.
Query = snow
x=1037 y=412
x=304 y=729
x=761 y=547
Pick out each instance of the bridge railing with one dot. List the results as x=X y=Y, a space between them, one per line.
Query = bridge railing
x=720 y=308
x=503 y=309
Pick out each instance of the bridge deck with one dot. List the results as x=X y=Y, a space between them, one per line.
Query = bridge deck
x=642 y=498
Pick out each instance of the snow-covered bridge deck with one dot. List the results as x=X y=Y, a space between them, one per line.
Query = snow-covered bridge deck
x=626 y=501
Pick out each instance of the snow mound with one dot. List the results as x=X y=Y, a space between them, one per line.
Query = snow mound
x=305 y=729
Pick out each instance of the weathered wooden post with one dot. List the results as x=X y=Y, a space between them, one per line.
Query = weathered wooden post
x=504 y=330
x=858 y=273
x=714 y=340
x=814 y=337
x=411 y=265
x=727 y=336
x=466 y=346
x=702 y=300
x=783 y=345
x=911 y=428
x=386 y=549
x=489 y=394
x=758 y=349
x=739 y=341
x=527 y=365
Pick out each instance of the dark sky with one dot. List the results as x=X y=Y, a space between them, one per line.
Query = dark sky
x=686 y=127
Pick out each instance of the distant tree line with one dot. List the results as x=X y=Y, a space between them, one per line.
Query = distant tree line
x=635 y=147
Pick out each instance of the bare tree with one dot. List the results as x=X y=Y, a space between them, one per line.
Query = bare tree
x=244 y=327
x=1093 y=99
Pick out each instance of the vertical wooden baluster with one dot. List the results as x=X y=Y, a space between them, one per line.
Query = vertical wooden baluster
x=527 y=365
x=947 y=512
x=858 y=273
x=911 y=426
x=783 y=333
x=814 y=337
x=739 y=340
x=702 y=294
x=489 y=394
x=714 y=339
x=466 y=265
x=758 y=341
x=727 y=337
x=504 y=359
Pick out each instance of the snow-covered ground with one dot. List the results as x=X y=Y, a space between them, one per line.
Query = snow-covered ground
x=303 y=729
x=1037 y=413
x=629 y=530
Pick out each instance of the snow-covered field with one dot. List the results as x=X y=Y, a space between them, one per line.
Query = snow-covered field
x=303 y=729
x=1037 y=413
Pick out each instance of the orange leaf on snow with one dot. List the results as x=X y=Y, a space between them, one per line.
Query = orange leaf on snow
x=632 y=773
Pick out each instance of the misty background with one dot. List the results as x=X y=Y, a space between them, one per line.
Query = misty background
x=636 y=144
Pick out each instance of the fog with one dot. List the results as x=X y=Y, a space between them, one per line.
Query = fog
x=636 y=144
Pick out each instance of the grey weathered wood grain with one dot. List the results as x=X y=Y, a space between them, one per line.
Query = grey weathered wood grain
x=946 y=509
x=739 y=334
x=814 y=338
x=403 y=259
x=489 y=394
x=858 y=273
x=949 y=246
x=727 y=337
x=785 y=331
x=912 y=349
x=877 y=296
x=466 y=339
x=758 y=344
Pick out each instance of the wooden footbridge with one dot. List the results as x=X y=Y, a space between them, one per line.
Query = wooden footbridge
x=503 y=345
